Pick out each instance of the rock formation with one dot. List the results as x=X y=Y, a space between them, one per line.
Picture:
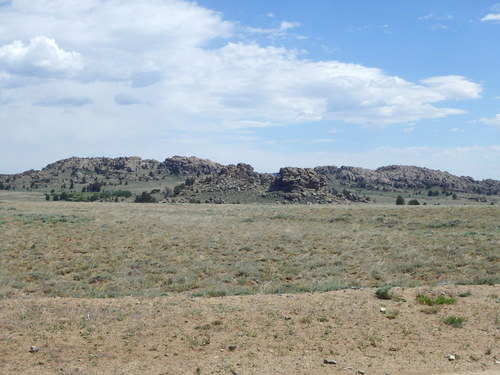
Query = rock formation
x=397 y=177
x=208 y=181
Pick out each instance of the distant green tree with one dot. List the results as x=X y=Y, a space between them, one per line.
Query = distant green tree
x=400 y=201
x=179 y=188
x=64 y=196
x=145 y=197
x=413 y=202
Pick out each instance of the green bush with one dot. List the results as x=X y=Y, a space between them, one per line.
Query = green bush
x=145 y=197
x=179 y=188
x=413 y=202
x=383 y=293
x=455 y=321
x=441 y=300
x=400 y=201
x=64 y=196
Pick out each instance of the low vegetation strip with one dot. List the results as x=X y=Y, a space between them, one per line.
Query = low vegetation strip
x=71 y=249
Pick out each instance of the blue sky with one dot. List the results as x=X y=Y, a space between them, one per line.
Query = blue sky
x=270 y=83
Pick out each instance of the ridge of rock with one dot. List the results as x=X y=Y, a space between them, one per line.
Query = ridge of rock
x=218 y=182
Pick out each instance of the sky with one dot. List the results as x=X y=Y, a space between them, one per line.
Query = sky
x=271 y=83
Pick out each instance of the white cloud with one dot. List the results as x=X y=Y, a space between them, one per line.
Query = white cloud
x=41 y=57
x=495 y=17
x=495 y=121
x=285 y=25
x=453 y=87
x=168 y=60
x=279 y=32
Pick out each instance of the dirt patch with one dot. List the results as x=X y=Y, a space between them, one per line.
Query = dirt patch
x=261 y=334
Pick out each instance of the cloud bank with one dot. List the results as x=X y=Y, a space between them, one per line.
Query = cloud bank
x=167 y=47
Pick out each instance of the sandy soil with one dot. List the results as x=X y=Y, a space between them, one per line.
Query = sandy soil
x=268 y=334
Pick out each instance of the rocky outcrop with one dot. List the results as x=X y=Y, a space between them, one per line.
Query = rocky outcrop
x=397 y=177
x=228 y=184
x=301 y=184
x=232 y=177
x=206 y=180
x=181 y=165
x=102 y=165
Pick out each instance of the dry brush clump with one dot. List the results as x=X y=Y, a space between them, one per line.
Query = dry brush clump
x=110 y=250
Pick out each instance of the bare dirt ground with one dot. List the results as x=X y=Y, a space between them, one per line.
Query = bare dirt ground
x=259 y=334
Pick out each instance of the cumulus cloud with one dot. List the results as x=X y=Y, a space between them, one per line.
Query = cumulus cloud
x=177 y=60
x=40 y=57
x=453 y=87
x=495 y=17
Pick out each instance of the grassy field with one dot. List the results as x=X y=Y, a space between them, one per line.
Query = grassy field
x=63 y=249
x=117 y=288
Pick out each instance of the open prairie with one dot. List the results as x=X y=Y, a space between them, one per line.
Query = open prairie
x=119 y=288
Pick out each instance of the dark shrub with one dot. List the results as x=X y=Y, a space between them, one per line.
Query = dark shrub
x=145 y=198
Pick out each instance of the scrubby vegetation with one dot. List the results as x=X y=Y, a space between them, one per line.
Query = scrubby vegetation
x=89 y=196
x=128 y=249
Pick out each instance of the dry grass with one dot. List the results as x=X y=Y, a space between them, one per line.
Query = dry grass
x=60 y=249
x=110 y=250
x=287 y=334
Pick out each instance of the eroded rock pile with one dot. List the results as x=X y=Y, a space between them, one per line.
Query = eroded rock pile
x=301 y=184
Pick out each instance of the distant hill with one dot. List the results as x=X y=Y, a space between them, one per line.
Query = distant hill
x=191 y=179
x=399 y=177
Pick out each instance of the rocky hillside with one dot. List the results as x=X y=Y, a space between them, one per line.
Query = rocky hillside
x=398 y=177
x=240 y=183
x=201 y=180
x=115 y=171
